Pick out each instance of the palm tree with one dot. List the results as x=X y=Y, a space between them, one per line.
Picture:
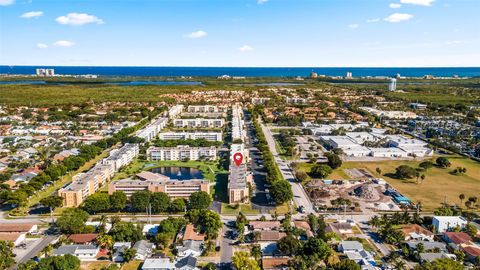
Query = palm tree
x=461 y=197
x=47 y=250
x=105 y=241
x=399 y=264
x=375 y=222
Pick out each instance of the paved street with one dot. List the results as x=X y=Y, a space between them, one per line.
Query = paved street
x=33 y=248
x=226 y=249
x=299 y=196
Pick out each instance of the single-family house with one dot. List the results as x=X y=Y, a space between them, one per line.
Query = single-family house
x=83 y=238
x=158 y=264
x=457 y=238
x=119 y=249
x=144 y=249
x=430 y=257
x=416 y=232
x=82 y=252
x=190 y=248
x=264 y=225
x=345 y=246
x=275 y=263
x=186 y=263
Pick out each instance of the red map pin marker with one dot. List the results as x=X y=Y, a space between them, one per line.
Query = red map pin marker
x=238 y=158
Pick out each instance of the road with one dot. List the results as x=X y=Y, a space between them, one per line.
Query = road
x=226 y=249
x=299 y=196
x=46 y=240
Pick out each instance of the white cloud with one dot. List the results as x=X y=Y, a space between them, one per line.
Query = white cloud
x=455 y=42
x=78 y=19
x=353 y=25
x=395 y=5
x=6 y=2
x=374 y=20
x=197 y=34
x=261 y=1
x=425 y=3
x=245 y=48
x=64 y=43
x=42 y=45
x=31 y=14
x=398 y=17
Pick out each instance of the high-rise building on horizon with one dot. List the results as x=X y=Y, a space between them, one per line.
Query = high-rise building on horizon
x=392 y=86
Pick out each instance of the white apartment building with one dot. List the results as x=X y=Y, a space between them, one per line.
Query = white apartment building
x=206 y=109
x=199 y=123
x=238 y=125
x=209 y=136
x=175 y=111
x=182 y=152
x=123 y=156
x=47 y=72
x=151 y=131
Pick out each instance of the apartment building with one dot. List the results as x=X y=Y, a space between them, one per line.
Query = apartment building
x=209 y=136
x=175 y=111
x=123 y=156
x=85 y=184
x=238 y=124
x=182 y=152
x=151 y=131
x=206 y=109
x=238 y=180
x=173 y=188
x=199 y=123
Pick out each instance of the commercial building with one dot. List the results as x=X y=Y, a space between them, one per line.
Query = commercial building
x=209 y=136
x=446 y=223
x=199 y=123
x=182 y=152
x=390 y=114
x=173 y=188
x=123 y=156
x=46 y=72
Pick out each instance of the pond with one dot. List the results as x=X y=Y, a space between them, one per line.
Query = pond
x=179 y=173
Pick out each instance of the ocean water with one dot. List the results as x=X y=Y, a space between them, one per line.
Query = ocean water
x=246 y=71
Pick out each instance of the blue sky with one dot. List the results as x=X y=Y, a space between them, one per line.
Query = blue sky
x=317 y=33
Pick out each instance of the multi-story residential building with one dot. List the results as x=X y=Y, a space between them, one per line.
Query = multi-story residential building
x=173 y=188
x=238 y=125
x=151 y=131
x=206 y=109
x=182 y=152
x=209 y=136
x=199 y=123
x=123 y=156
x=85 y=184
x=175 y=111
x=238 y=180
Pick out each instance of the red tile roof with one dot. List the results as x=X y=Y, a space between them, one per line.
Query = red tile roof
x=458 y=237
x=191 y=234
x=274 y=263
x=472 y=251
x=15 y=227
x=271 y=235
x=82 y=238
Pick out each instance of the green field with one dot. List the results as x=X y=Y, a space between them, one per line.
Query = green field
x=439 y=184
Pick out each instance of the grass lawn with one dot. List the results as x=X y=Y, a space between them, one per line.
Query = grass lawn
x=281 y=209
x=438 y=185
x=244 y=208
x=132 y=265
x=97 y=265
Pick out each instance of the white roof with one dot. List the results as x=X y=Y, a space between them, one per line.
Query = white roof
x=159 y=263
x=459 y=219
x=387 y=150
